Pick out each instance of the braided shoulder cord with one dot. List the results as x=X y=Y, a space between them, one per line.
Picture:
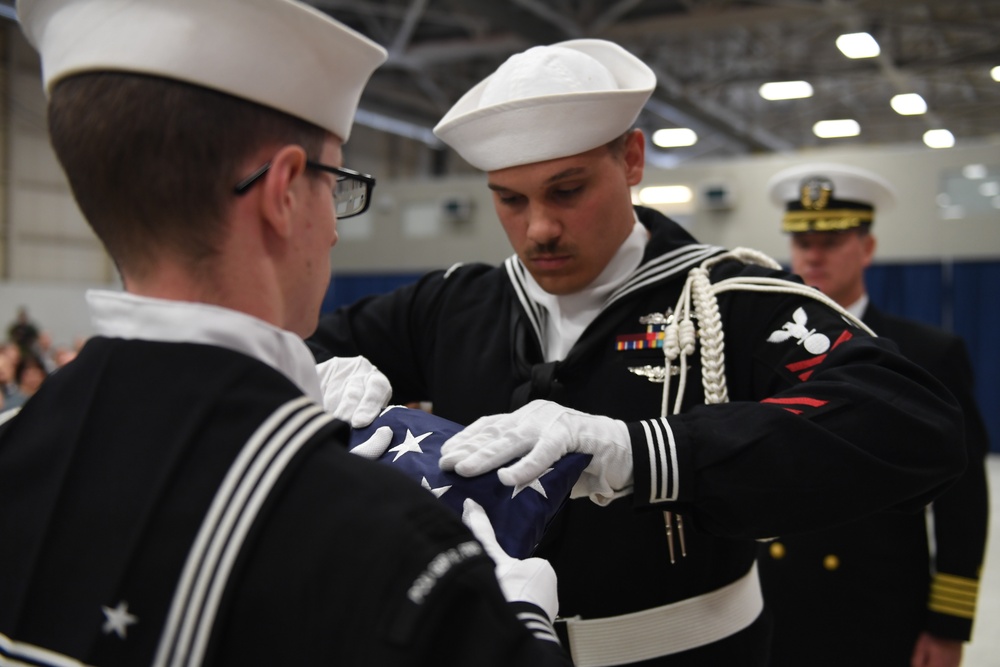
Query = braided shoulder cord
x=699 y=298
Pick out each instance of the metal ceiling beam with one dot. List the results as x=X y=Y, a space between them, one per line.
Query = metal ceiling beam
x=408 y=26
x=564 y=23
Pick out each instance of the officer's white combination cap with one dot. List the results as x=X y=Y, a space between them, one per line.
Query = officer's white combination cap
x=548 y=102
x=829 y=196
x=851 y=183
x=278 y=53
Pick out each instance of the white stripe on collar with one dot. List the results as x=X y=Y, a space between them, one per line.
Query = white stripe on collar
x=125 y=315
x=612 y=286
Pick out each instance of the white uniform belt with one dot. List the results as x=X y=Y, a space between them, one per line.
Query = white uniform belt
x=672 y=628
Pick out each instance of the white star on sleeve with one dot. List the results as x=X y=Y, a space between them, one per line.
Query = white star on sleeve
x=410 y=444
x=438 y=492
x=118 y=619
x=535 y=484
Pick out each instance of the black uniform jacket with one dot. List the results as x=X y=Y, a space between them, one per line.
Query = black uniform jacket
x=866 y=590
x=807 y=439
x=141 y=459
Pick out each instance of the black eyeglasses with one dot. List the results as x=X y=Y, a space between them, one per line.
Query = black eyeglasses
x=351 y=197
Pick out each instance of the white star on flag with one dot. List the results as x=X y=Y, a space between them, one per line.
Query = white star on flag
x=118 y=619
x=438 y=492
x=535 y=484
x=410 y=444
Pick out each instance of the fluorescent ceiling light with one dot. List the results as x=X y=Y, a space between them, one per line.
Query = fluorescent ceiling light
x=908 y=104
x=989 y=189
x=939 y=138
x=786 y=90
x=665 y=194
x=995 y=73
x=858 y=45
x=974 y=172
x=675 y=137
x=831 y=129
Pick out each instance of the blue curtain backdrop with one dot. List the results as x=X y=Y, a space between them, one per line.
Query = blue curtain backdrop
x=914 y=291
x=346 y=288
x=961 y=297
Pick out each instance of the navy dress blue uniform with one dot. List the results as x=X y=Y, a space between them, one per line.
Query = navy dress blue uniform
x=792 y=449
x=149 y=507
x=875 y=584
x=177 y=495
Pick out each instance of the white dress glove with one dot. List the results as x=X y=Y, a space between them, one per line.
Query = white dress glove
x=374 y=447
x=353 y=389
x=542 y=432
x=530 y=580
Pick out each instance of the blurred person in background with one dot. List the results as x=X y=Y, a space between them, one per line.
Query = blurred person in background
x=894 y=589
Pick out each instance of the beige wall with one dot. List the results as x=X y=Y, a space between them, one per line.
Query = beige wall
x=45 y=236
x=912 y=230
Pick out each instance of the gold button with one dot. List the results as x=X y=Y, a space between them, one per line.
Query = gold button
x=777 y=550
x=831 y=562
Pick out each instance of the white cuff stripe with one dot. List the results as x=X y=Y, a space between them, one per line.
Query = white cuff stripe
x=539 y=625
x=663 y=466
x=663 y=483
x=654 y=464
x=674 y=479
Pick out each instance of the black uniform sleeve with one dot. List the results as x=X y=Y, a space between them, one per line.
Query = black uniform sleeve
x=467 y=623
x=388 y=330
x=960 y=513
x=824 y=424
x=444 y=606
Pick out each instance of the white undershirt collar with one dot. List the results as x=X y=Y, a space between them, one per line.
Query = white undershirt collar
x=125 y=315
x=567 y=316
x=858 y=307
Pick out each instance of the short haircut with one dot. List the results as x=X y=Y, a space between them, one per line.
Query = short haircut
x=153 y=162
x=617 y=145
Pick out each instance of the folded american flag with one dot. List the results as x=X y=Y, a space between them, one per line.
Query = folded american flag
x=519 y=514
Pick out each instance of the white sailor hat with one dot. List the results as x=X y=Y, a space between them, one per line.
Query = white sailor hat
x=278 y=53
x=829 y=197
x=548 y=102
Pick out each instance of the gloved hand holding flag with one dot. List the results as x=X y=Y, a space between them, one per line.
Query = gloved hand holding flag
x=353 y=389
x=411 y=441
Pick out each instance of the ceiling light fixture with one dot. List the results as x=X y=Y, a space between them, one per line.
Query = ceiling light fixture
x=675 y=137
x=939 y=139
x=858 y=45
x=989 y=189
x=786 y=90
x=831 y=129
x=908 y=104
x=975 y=172
x=995 y=73
x=665 y=194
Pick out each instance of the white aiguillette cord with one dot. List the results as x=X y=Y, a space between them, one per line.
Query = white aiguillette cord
x=699 y=301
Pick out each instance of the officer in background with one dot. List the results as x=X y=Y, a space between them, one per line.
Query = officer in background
x=891 y=589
